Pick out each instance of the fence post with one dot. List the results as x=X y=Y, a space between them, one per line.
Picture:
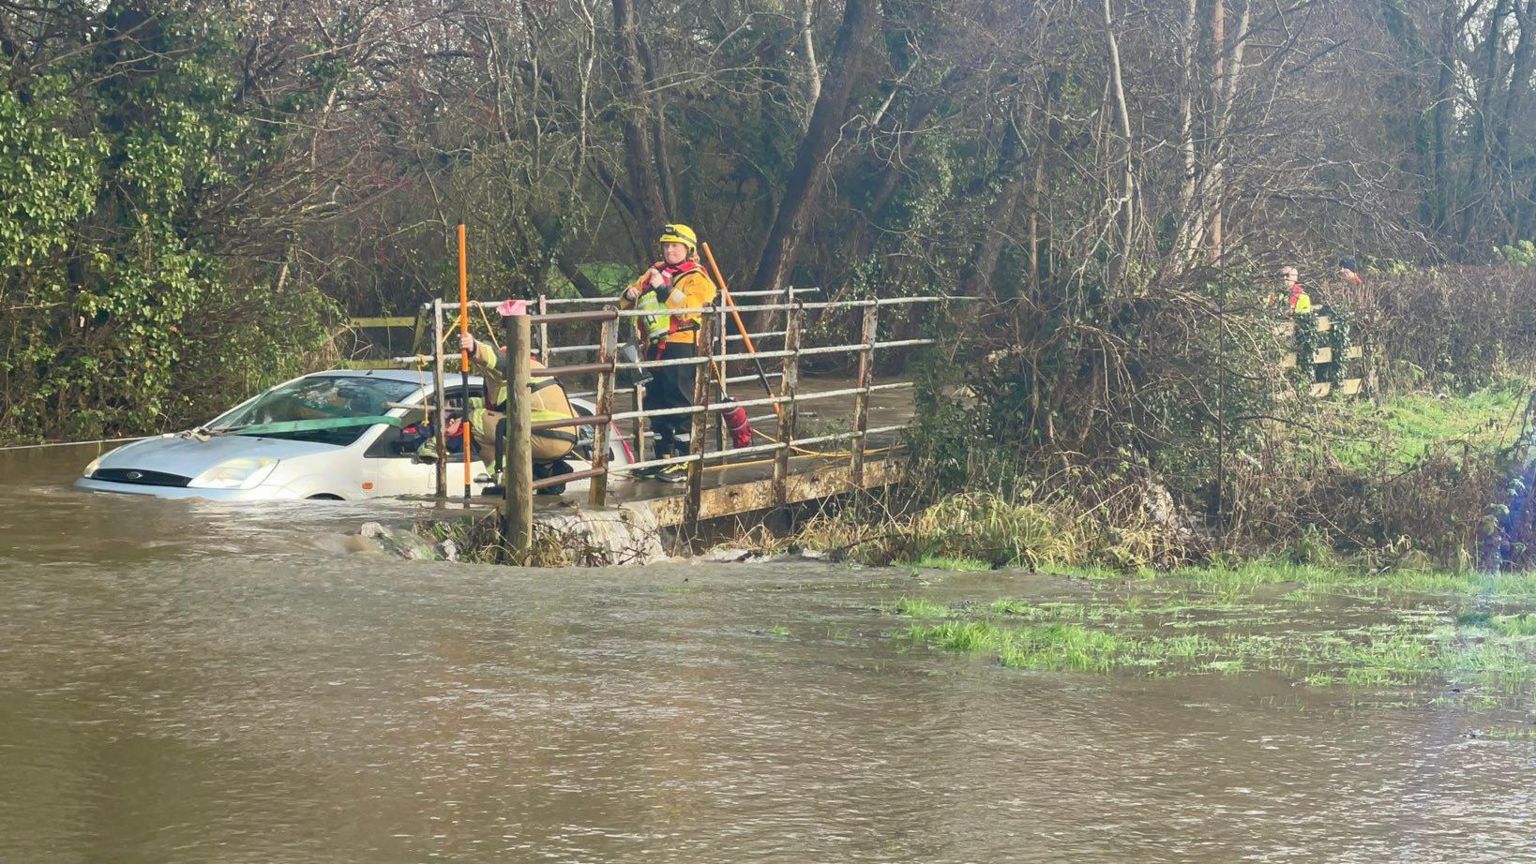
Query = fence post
x=642 y=428
x=724 y=346
x=440 y=418
x=517 y=509
x=788 y=387
x=416 y=331
x=861 y=401
x=543 y=330
x=597 y=490
x=698 y=428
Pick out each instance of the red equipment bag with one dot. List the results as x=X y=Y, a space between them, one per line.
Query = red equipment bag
x=735 y=418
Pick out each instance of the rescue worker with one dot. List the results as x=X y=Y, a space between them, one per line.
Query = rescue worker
x=1296 y=295
x=487 y=427
x=675 y=282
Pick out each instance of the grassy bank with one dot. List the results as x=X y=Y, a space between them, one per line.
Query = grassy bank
x=1409 y=427
x=1423 y=481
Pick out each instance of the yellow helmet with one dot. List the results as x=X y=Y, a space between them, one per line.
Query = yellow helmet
x=678 y=233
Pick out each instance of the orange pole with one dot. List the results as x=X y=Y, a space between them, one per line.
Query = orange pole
x=746 y=337
x=464 y=357
x=725 y=292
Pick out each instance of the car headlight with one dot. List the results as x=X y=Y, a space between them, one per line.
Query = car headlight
x=91 y=468
x=247 y=472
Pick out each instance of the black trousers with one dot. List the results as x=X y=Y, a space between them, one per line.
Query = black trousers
x=672 y=387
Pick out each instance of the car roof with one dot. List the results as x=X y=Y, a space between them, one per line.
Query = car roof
x=409 y=376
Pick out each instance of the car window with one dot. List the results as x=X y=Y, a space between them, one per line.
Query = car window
x=317 y=398
x=401 y=442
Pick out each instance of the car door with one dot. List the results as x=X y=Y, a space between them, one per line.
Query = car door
x=390 y=461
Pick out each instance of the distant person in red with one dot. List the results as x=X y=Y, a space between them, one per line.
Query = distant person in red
x=1349 y=272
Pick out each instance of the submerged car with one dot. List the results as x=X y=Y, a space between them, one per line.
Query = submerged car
x=341 y=434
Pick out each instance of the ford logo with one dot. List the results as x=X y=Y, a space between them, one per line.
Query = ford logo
x=134 y=475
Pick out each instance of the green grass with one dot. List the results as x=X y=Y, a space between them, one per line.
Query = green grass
x=1523 y=624
x=1316 y=625
x=915 y=608
x=1093 y=572
x=1014 y=607
x=608 y=276
x=1314 y=581
x=1054 y=647
x=1405 y=427
x=959 y=565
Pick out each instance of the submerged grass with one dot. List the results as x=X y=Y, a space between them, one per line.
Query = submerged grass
x=1053 y=647
x=1352 y=582
x=1516 y=625
x=916 y=608
x=1361 y=640
x=959 y=565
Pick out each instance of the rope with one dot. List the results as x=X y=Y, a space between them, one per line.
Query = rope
x=488 y=328
x=73 y=443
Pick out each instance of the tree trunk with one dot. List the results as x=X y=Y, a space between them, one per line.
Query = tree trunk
x=639 y=160
x=1191 y=235
x=864 y=236
x=1445 y=107
x=1126 y=206
x=808 y=56
x=657 y=117
x=549 y=233
x=831 y=111
x=980 y=271
x=1477 y=182
x=1219 y=42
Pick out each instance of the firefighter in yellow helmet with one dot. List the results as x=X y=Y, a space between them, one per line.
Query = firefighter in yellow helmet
x=488 y=425
x=675 y=282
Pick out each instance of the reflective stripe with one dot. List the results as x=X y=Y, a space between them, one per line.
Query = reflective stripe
x=560 y=434
x=556 y=435
x=658 y=323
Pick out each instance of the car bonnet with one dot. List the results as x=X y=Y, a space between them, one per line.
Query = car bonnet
x=186 y=456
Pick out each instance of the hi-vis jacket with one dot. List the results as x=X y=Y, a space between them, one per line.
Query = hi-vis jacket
x=687 y=286
x=548 y=402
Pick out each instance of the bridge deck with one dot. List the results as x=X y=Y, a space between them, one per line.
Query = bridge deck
x=749 y=478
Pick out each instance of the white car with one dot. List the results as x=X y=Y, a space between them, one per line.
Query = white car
x=342 y=434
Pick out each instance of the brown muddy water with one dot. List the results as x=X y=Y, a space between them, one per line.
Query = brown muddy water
x=181 y=682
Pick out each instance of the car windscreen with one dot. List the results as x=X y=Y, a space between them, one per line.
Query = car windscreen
x=317 y=408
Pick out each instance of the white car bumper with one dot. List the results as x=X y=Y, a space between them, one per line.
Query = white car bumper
x=260 y=493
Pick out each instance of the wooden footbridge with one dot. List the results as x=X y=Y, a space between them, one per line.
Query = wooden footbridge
x=820 y=436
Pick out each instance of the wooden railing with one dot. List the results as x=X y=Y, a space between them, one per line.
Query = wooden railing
x=527 y=335
x=1323 y=355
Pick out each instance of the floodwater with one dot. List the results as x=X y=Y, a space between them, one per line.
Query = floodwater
x=181 y=682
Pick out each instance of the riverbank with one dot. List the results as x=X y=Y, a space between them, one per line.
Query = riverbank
x=1422 y=481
